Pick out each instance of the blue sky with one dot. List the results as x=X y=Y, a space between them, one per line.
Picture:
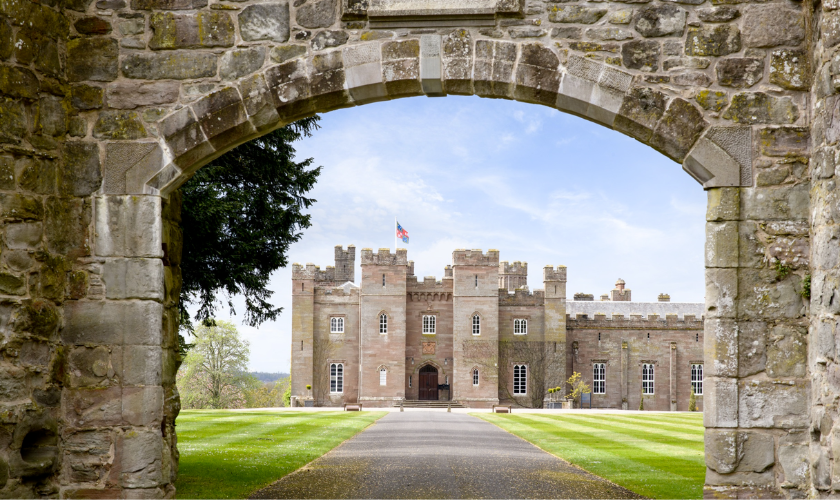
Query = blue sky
x=463 y=172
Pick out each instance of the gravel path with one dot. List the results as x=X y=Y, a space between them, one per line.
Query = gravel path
x=439 y=455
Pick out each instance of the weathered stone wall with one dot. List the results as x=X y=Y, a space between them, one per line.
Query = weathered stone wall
x=109 y=105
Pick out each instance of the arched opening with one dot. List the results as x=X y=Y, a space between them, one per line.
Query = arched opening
x=427 y=386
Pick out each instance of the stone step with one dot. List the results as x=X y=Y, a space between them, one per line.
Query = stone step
x=429 y=404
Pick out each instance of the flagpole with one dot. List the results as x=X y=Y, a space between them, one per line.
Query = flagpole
x=395 y=235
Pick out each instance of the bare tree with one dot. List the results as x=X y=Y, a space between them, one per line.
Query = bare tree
x=545 y=369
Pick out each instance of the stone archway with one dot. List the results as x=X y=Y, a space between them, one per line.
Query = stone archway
x=109 y=106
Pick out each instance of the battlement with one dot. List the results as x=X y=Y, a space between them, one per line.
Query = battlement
x=447 y=272
x=463 y=257
x=313 y=272
x=664 y=297
x=634 y=321
x=345 y=263
x=518 y=268
x=384 y=257
x=584 y=297
x=429 y=284
x=550 y=274
x=521 y=297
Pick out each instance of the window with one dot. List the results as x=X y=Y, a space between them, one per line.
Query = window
x=599 y=378
x=336 y=325
x=475 y=377
x=697 y=379
x=647 y=378
x=599 y=335
x=383 y=280
x=429 y=325
x=336 y=378
x=648 y=334
x=383 y=324
x=520 y=326
x=476 y=281
x=520 y=380
x=383 y=376
x=476 y=325
x=697 y=337
x=409 y=381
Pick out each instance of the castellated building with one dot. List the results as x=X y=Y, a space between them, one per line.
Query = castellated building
x=478 y=337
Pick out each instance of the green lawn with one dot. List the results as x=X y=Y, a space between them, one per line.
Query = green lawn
x=656 y=455
x=227 y=454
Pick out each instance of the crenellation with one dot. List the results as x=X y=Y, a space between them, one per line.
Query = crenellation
x=552 y=274
x=462 y=257
x=384 y=257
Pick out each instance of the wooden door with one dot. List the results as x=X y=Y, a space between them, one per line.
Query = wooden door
x=428 y=383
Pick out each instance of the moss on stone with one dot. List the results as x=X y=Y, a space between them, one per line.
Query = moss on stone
x=714 y=100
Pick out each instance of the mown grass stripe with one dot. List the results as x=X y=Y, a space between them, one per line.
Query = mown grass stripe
x=647 y=452
x=686 y=426
x=652 y=433
x=630 y=458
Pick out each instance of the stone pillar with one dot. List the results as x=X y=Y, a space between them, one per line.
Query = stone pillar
x=625 y=367
x=672 y=385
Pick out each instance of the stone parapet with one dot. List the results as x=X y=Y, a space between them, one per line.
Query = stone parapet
x=552 y=274
x=619 y=321
x=384 y=257
x=521 y=297
x=475 y=258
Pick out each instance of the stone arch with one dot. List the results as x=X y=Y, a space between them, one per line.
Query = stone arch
x=714 y=155
x=117 y=103
x=431 y=363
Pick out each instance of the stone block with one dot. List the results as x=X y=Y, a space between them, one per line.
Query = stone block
x=721 y=244
x=24 y=236
x=85 y=97
x=92 y=407
x=140 y=451
x=12 y=284
x=714 y=100
x=329 y=38
x=37 y=175
x=142 y=406
x=494 y=63
x=131 y=94
x=739 y=72
x=781 y=203
x=784 y=141
x=720 y=343
x=641 y=110
x=112 y=323
x=537 y=78
x=7 y=173
x=141 y=365
x=285 y=53
x=752 y=347
x=20 y=207
x=235 y=64
x=178 y=65
x=92 y=59
x=773 y=404
x=258 y=102
x=720 y=402
x=575 y=94
x=13 y=121
x=758 y=451
x=222 y=117
x=787 y=351
x=721 y=292
x=764 y=297
x=723 y=204
x=757 y=107
x=128 y=226
x=133 y=279
x=184 y=137
x=679 y=128
x=790 y=69
x=52 y=118
x=661 y=20
x=265 y=21
x=723 y=450
x=82 y=175
x=119 y=125
x=67 y=226
x=168 y=4
x=795 y=464
x=317 y=14
x=191 y=31
x=716 y=41
x=18 y=82
x=720 y=14
x=772 y=25
x=93 y=366
x=92 y=25
x=129 y=166
x=616 y=34
x=577 y=14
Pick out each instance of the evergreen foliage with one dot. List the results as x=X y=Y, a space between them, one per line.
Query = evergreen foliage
x=239 y=216
x=692 y=401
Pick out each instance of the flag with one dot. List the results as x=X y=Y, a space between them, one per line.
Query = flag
x=402 y=233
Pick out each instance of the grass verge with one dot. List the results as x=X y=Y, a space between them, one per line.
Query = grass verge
x=655 y=455
x=231 y=454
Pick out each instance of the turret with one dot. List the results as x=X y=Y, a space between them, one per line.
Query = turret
x=345 y=264
x=513 y=276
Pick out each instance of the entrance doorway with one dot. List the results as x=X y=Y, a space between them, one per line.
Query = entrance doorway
x=428 y=383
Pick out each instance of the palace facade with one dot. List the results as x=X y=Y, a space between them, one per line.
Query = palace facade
x=479 y=337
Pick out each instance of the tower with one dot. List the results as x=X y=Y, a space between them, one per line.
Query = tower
x=345 y=264
x=303 y=327
x=555 y=322
x=382 y=293
x=475 y=293
x=513 y=276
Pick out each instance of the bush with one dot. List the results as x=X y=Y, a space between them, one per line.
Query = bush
x=692 y=401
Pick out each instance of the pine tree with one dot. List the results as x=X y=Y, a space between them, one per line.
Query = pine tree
x=642 y=401
x=692 y=401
